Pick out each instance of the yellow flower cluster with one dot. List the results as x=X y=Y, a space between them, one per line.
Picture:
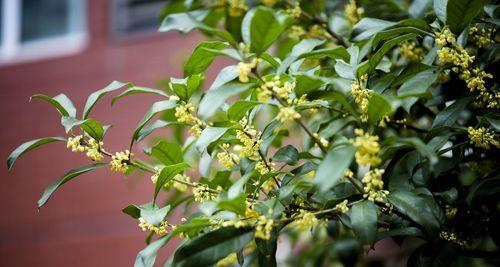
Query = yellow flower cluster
x=483 y=137
x=226 y=158
x=250 y=138
x=450 y=211
x=264 y=227
x=269 y=2
x=411 y=51
x=352 y=12
x=294 y=12
x=316 y=31
x=452 y=237
x=374 y=186
x=264 y=168
x=93 y=150
x=361 y=95
x=202 y=192
x=296 y=32
x=183 y=113
x=342 y=206
x=305 y=220
x=244 y=69
x=459 y=58
x=228 y=261
x=368 y=148
x=237 y=8
x=287 y=114
x=75 y=143
x=481 y=37
x=159 y=230
x=119 y=162
x=324 y=143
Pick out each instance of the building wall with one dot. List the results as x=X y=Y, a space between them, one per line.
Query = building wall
x=82 y=225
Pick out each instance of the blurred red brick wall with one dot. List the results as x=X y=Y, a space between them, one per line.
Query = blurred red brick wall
x=82 y=225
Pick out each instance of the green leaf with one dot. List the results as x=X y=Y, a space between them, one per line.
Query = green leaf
x=408 y=231
x=138 y=90
x=214 y=98
x=333 y=166
x=458 y=14
x=30 y=145
x=363 y=217
x=200 y=59
x=167 y=174
x=418 y=84
x=386 y=47
x=208 y=136
x=423 y=211
x=148 y=129
x=306 y=84
x=211 y=247
x=183 y=22
x=239 y=108
x=93 y=128
x=236 y=205
x=133 y=211
x=67 y=177
x=288 y=154
x=167 y=153
x=451 y=113
x=378 y=107
x=156 y=108
x=62 y=103
x=338 y=52
x=185 y=88
x=153 y=214
x=147 y=256
x=419 y=7
x=226 y=75
x=261 y=27
x=304 y=46
x=95 y=96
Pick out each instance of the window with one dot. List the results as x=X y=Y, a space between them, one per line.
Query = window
x=131 y=17
x=35 y=29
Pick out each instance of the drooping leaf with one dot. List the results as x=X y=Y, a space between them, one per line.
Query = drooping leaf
x=185 y=88
x=216 y=97
x=156 y=108
x=208 y=136
x=451 y=113
x=288 y=154
x=418 y=84
x=50 y=189
x=62 y=103
x=378 y=107
x=95 y=96
x=211 y=247
x=167 y=153
x=147 y=256
x=138 y=90
x=93 y=128
x=239 y=108
x=333 y=166
x=200 y=59
x=226 y=75
x=364 y=221
x=457 y=14
x=167 y=174
x=30 y=145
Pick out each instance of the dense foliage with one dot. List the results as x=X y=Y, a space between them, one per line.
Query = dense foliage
x=341 y=123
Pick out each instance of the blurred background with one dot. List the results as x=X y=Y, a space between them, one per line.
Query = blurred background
x=76 y=47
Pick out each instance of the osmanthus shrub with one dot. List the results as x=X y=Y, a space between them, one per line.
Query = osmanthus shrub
x=340 y=123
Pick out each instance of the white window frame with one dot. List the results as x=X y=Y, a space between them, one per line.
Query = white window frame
x=13 y=51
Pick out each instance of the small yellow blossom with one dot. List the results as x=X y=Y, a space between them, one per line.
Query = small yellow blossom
x=481 y=37
x=75 y=143
x=202 y=193
x=244 y=69
x=374 y=186
x=316 y=31
x=237 y=8
x=226 y=158
x=450 y=211
x=183 y=113
x=305 y=220
x=368 y=148
x=264 y=227
x=342 y=206
x=294 y=12
x=159 y=230
x=287 y=114
x=411 y=51
x=230 y=260
x=264 y=168
x=296 y=32
x=324 y=143
x=445 y=37
x=452 y=237
x=174 y=98
x=361 y=95
x=93 y=150
x=269 y=2
x=352 y=12
x=483 y=137
x=250 y=138
x=284 y=92
x=119 y=162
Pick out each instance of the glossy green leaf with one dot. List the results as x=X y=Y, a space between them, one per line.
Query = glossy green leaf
x=226 y=75
x=236 y=205
x=138 y=90
x=156 y=108
x=62 y=103
x=418 y=85
x=451 y=113
x=30 y=145
x=167 y=153
x=50 y=189
x=363 y=217
x=93 y=128
x=185 y=88
x=200 y=59
x=148 y=129
x=147 y=256
x=239 y=108
x=167 y=174
x=288 y=154
x=214 y=98
x=95 y=96
x=183 y=22
x=208 y=136
x=211 y=247
x=378 y=107
x=333 y=166
x=457 y=14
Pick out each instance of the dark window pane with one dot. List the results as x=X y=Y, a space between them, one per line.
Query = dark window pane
x=1 y=21
x=44 y=18
x=133 y=16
